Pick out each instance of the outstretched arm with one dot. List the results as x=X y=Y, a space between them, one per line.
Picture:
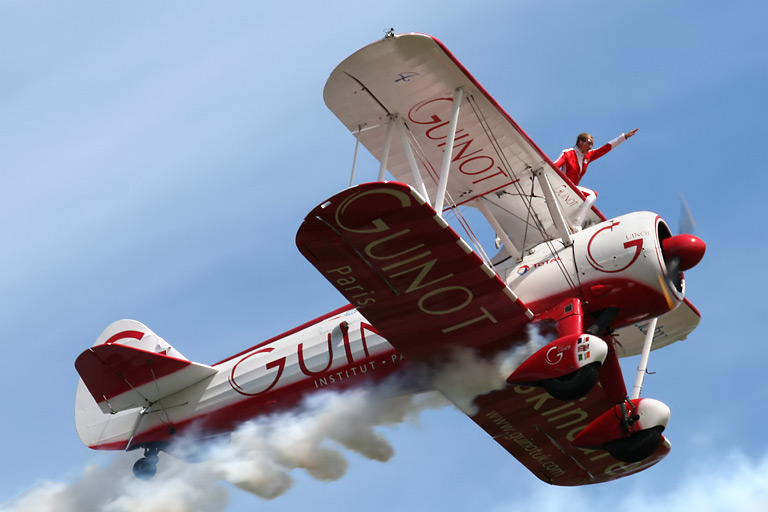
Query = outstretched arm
x=630 y=133
x=597 y=153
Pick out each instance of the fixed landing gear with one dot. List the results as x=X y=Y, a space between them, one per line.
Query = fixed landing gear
x=569 y=368
x=146 y=467
x=630 y=431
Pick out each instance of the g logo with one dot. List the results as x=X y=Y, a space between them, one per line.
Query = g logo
x=555 y=358
x=637 y=244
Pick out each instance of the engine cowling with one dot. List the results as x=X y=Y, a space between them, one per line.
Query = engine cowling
x=633 y=263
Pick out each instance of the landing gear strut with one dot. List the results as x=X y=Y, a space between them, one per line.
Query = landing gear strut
x=146 y=467
x=631 y=431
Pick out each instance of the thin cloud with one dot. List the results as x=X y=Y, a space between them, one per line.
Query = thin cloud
x=735 y=482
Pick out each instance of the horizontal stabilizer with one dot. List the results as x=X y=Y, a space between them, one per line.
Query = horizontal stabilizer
x=120 y=377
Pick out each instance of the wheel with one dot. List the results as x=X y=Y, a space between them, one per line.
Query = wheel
x=639 y=446
x=146 y=467
x=574 y=385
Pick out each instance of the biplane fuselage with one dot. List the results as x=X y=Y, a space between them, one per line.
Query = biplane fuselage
x=416 y=289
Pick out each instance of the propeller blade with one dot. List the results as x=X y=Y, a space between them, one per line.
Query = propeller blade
x=686 y=224
x=674 y=275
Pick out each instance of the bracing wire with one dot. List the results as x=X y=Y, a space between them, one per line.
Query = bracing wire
x=527 y=198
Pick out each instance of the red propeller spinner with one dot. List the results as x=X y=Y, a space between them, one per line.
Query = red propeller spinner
x=686 y=249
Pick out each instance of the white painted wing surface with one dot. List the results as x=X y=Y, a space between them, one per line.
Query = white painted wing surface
x=411 y=79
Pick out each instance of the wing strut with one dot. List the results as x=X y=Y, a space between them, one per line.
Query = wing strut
x=641 y=369
x=559 y=219
x=508 y=245
x=420 y=187
x=354 y=158
x=395 y=122
x=448 y=155
x=385 y=152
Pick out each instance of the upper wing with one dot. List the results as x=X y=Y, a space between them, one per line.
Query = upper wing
x=405 y=85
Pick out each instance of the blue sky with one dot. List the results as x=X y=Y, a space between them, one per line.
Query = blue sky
x=157 y=158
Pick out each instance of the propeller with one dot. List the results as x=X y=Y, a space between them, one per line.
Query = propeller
x=686 y=223
x=682 y=251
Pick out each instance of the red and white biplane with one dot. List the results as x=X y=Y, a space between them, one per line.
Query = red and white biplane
x=417 y=290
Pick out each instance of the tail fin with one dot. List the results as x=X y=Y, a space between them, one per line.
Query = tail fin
x=127 y=370
x=131 y=333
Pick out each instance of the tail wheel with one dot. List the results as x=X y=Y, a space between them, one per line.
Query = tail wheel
x=637 y=447
x=574 y=385
x=146 y=467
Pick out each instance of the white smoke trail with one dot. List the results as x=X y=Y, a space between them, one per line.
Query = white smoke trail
x=258 y=458
x=114 y=489
x=262 y=452
x=467 y=376
x=260 y=455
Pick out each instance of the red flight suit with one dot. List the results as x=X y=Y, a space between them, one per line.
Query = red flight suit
x=574 y=163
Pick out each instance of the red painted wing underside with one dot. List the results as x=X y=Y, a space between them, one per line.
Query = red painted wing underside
x=420 y=286
x=408 y=272
x=538 y=429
